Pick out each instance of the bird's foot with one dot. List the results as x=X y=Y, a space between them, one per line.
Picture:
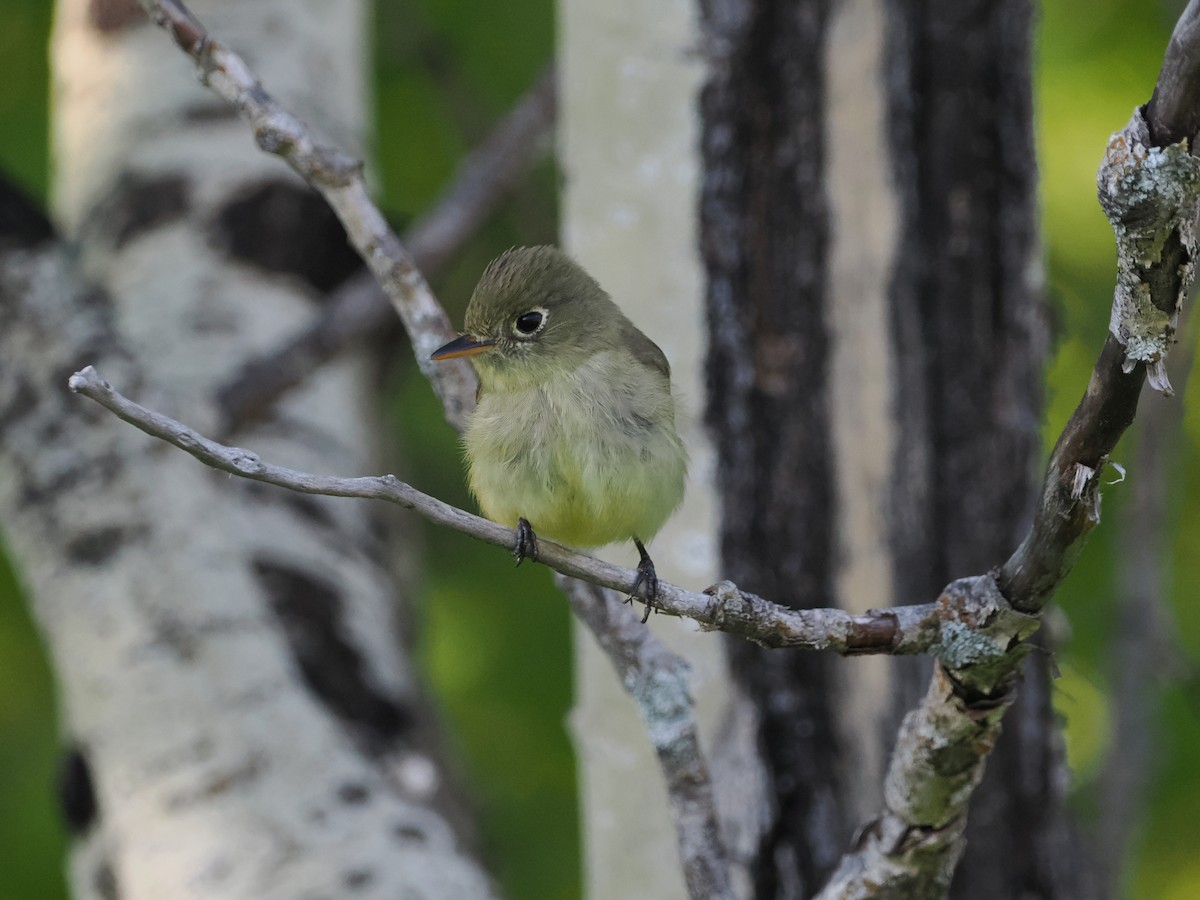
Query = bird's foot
x=526 y=544
x=646 y=582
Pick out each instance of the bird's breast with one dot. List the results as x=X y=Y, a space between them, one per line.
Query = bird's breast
x=589 y=457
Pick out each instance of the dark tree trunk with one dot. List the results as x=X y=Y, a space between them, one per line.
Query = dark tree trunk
x=764 y=222
x=966 y=345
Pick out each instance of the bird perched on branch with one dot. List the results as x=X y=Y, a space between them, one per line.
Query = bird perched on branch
x=574 y=430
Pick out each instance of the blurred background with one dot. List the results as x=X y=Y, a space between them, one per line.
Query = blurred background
x=1127 y=624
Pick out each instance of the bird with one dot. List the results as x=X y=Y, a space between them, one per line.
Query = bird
x=573 y=434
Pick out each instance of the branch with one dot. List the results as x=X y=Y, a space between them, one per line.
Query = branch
x=1174 y=109
x=937 y=628
x=359 y=308
x=487 y=174
x=338 y=178
x=1149 y=195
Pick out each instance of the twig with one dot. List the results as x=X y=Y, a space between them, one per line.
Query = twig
x=359 y=308
x=338 y=178
x=1149 y=195
x=937 y=628
x=1174 y=109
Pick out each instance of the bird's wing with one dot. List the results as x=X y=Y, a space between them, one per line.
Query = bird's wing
x=645 y=350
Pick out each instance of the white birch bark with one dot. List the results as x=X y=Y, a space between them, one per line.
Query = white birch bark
x=864 y=225
x=230 y=661
x=628 y=131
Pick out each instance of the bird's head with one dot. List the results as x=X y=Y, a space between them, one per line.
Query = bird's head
x=535 y=312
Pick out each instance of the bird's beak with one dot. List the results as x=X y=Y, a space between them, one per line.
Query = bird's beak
x=467 y=345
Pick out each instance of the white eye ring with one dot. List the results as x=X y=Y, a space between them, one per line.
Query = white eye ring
x=526 y=325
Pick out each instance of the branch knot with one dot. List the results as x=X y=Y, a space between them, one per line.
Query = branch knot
x=978 y=633
x=1149 y=195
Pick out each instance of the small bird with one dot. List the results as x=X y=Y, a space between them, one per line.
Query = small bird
x=573 y=432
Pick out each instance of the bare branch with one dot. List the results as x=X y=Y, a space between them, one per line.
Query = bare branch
x=338 y=178
x=1149 y=195
x=1148 y=188
x=911 y=849
x=937 y=628
x=359 y=308
x=1174 y=109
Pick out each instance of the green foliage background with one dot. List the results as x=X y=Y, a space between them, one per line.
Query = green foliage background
x=502 y=672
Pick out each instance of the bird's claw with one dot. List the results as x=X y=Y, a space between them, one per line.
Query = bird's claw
x=646 y=582
x=526 y=544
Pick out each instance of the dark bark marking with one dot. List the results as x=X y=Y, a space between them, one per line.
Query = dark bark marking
x=308 y=508
x=285 y=227
x=357 y=879
x=109 y=16
x=206 y=112
x=138 y=203
x=91 y=548
x=369 y=543
x=968 y=324
x=407 y=833
x=106 y=882
x=309 y=611
x=76 y=792
x=100 y=470
x=354 y=794
x=969 y=331
x=17 y=397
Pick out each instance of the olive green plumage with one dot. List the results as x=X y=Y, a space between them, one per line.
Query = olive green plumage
x=574 y=430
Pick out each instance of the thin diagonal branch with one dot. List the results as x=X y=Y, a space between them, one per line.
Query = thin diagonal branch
x=1149 y=195
x=359 y=309
x=1174 y=109
x=487 y=174
x=338 y=178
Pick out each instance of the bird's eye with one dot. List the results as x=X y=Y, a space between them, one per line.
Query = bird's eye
x=529 y=323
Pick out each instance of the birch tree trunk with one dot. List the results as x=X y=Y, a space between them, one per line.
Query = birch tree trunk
x=234 y=683
x=629 y=80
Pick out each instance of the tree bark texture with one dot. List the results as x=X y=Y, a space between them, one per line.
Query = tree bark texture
x=240 y=712
x=868 y=219
x=765 y=236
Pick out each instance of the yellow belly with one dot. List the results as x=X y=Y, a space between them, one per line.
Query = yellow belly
x=585 y=466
